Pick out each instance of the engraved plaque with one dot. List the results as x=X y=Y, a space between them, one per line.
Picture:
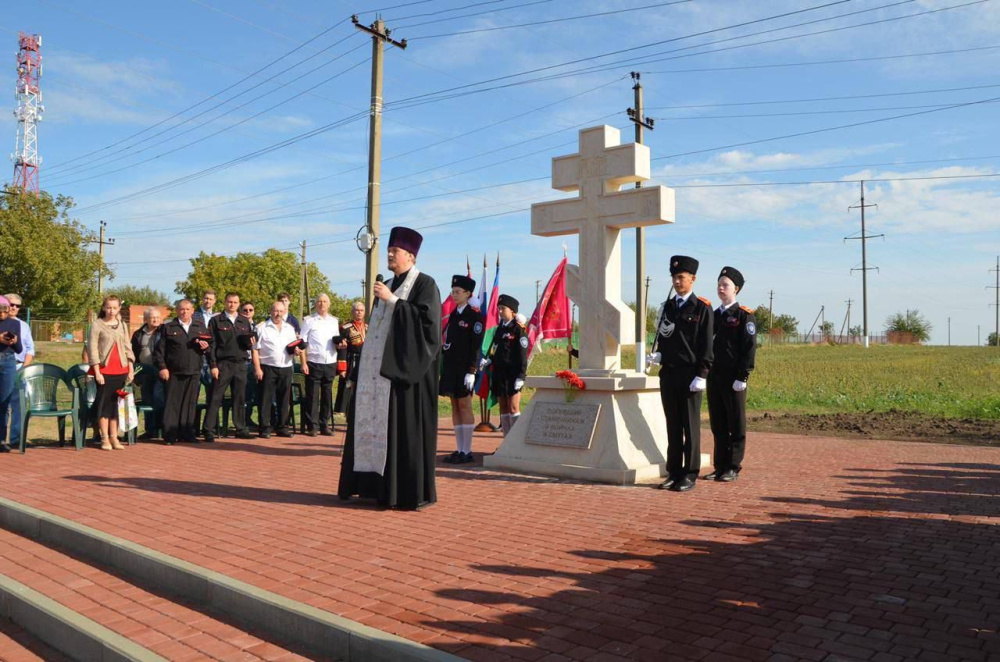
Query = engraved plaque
x=567 y=424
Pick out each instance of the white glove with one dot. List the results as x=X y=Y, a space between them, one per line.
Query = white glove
x=739 y=386
x=654 y=359
x=518 y=385
x=697 y=384
x=470 y=382
x=483 y=363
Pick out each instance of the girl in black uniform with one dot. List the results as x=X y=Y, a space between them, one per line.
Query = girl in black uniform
x=461 y=345
x=509 y=356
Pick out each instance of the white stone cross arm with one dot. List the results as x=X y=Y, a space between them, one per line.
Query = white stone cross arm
x=598 y=215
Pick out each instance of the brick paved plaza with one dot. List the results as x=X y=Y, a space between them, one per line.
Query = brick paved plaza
x=824 y=549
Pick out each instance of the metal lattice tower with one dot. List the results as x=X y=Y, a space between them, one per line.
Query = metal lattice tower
x=28 y=112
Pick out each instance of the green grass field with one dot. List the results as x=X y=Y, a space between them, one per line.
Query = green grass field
x=946 y=382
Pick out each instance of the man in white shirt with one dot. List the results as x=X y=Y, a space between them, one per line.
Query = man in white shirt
x=23 y=359
x=272 y=362
x=321 y=333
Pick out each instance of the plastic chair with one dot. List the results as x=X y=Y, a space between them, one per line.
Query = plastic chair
x=88 y=393
x=146 y=377
x=298 y=397
x=38 y=389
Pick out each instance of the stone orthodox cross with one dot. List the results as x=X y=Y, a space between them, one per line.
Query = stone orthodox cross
x=602 y=166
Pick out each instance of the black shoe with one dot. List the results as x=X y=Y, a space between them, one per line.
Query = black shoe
x=466 y=458
x=312 y=433
x=146 y=436
x=168 y=442
x=265 y=434
x=244 y=434
x=209 y=437
x=727 y=476
x=454 y=458
x=284 y=433
x=713 y=476
x=667 y=484
x=4 y=448
x=683 y=485
x=326 y=432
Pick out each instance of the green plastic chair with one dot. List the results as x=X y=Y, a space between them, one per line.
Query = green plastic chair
x=145 y=377
x=78 y=374
x=38 y=390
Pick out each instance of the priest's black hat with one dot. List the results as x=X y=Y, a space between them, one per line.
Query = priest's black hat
x=509 y=301
x=680 y=263
x=405 y=238
x=294 y=345
x=464 y=282
x=734 y=275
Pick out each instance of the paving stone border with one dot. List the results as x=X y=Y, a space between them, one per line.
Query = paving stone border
x=77 y=636
x=266 y=612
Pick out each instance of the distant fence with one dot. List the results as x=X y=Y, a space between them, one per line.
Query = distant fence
x=768 y=339
x=57 y=330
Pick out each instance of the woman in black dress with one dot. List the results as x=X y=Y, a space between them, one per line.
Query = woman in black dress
x=348 y=354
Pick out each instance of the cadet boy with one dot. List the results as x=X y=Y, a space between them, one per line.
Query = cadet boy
x=734 y=348
x=684 y=352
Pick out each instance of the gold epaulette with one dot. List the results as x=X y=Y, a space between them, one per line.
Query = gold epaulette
x=747 y=310
x=705 y=301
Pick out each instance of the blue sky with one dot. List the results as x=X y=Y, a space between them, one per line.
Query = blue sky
x=114 y=69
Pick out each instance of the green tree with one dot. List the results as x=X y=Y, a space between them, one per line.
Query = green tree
x=912 y=323
x=826 y=328
x=991 y=340
x=45 y=254
x=786 y=324
x=256 y=277
x=855 y=331
x=762 y=316
x=133 y=295
x=650 y=318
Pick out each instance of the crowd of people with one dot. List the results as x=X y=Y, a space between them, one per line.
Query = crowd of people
x=390 y=374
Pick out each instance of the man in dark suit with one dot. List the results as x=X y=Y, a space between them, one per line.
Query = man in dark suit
x=178 y=355
x=231 y=338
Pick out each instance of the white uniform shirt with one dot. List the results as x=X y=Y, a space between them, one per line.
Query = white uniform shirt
x=318 y=332
x=271 y=344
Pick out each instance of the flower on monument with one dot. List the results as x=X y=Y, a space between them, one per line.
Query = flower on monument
x=572 y=382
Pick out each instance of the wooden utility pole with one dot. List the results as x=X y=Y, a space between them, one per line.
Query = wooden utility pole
x=101 y=243
x=770 y=311
x=996 y=304
x=864 y=259
x=949 y=332
x=380 y=37
x=641 y=122
x=303 y=283
x=847 y=321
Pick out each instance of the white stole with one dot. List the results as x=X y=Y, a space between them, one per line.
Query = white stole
x=371 y=400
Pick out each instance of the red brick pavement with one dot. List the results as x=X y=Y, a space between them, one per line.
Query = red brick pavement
x=825 y=549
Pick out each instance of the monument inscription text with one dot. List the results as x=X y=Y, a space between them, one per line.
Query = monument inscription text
x=570 y=425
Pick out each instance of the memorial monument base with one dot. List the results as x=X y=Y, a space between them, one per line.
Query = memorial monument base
x=614 y=431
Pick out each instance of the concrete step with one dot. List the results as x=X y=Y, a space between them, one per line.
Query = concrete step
x=165 y=626
x=19 y=645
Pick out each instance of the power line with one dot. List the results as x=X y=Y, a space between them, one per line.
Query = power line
x=812 y=63
x=575 y=17
x=828 y=129
x=801 y=113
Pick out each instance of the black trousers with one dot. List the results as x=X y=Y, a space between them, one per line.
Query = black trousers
x=727 y=411
x=683 y=411
x=319 y=395
x=232 y=375
x=275 y=387
x=181 y=399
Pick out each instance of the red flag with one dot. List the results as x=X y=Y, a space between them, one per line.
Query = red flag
x=551 y=318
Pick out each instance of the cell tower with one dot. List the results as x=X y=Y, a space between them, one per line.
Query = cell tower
x=28 y=112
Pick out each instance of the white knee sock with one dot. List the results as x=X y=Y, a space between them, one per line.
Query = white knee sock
x=513 y=420
x=458 y=438
x=467 y=438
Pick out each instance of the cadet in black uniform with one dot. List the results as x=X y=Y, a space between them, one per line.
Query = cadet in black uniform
x=178 y=354
x=684 y=352
x=734 y=347
x=509 y=356
x=231 y=338
x=461 y=346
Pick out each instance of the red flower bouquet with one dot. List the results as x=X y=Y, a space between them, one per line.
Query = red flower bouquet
x=572 y=383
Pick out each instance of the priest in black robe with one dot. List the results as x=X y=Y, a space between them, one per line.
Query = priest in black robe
x=391 y=444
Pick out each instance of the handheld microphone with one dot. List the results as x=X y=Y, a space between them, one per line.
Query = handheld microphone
x=378 y=279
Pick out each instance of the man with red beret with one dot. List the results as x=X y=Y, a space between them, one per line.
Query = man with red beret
x=391 y=443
